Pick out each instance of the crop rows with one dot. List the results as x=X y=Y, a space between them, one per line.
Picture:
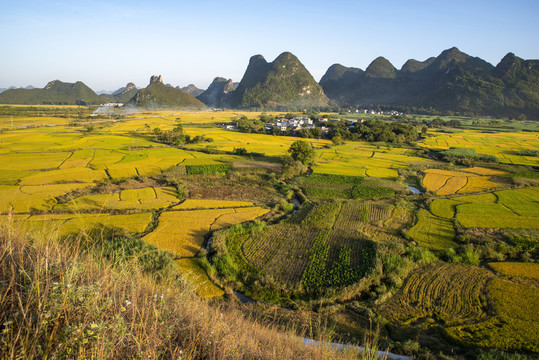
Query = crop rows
x=281 y=250
x=447 y=293
x=516 y=322
x=322 y=215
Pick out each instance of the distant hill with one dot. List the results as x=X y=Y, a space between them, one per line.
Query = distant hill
x=191 y=89
x=55 y=92
x=285 y=82
x=159 y=95
x=122 y=95
x=452 y=81
x=217 y=93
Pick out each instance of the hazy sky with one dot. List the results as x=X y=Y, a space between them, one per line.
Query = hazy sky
x=106 y=44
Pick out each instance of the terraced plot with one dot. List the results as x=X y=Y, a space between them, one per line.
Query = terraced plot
x=146 y=198
x=503 y=145
x=182 y=232
x=433 y=232
x=191 y=269
x=72 y=224
x=445 y=182
x=442 y=293
x=526 y=270
x=515 y=324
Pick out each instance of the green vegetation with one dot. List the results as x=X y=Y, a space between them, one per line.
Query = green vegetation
x=159 y=96
x=275 y=84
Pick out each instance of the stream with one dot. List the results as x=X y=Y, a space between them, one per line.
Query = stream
x=414 y=190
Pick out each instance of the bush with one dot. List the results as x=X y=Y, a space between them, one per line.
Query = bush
x=208 y=169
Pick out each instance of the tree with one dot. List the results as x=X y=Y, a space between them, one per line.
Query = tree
x=337 y=140
x=302 y=151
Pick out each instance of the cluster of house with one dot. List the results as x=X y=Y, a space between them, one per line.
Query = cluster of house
x=374 y=112
x=293 y=124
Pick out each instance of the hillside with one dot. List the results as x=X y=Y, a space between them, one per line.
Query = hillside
x=191 y=89
x=285 y=82
x=159 y=95
x=55 y=92
x=60 y=302
x=453 y=81
x=217 y=93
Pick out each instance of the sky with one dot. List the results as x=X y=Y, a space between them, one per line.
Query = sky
x=107 y=44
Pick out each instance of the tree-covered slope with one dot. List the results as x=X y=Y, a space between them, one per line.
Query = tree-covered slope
x=159 y=95
x=453 y=81
x=55 y=92
x=283 y=82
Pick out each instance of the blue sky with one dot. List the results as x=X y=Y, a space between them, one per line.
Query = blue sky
x=106 y=44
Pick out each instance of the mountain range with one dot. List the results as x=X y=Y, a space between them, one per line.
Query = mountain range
x=451 y=82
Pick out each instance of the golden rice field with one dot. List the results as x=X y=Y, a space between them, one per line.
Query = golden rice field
x=72 y=224
x=445 y=182
x=195 y=274
x=527 y=270
x=195 y=204
x=515 y=324
x=503 y=145
x=182 y=232
x=146 y=199
x=441 y=293
x=365 y=159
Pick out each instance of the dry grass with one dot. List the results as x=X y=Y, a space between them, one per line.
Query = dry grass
x=57 y=303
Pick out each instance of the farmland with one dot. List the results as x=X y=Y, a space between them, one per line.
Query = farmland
x=345 y=233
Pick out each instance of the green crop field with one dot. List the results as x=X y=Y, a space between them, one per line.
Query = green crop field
x=433 y=232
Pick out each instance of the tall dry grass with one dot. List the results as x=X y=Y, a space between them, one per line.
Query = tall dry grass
x=58 y=302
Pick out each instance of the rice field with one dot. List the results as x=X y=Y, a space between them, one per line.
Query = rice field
x=195 y=274
x=72 y=224
x=145 y=198
x=515 y=324
x=526 y=270
x=195 y=204
x=364 y=159
x=433 y=232
x=444 y=182
x=447 y=294
x=504 y=145
x=513 y=209
x=182 y=232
